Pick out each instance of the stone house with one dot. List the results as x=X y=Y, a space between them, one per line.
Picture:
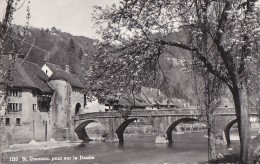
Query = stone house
x=42 y=101
x=68 y=98
x=28 y=115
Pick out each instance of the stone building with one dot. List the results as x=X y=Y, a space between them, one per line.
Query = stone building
x=68 y=98
x=147 y=98
x=42 y=101
x=28 y=115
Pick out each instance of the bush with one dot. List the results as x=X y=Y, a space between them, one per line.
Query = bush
x=235 y=158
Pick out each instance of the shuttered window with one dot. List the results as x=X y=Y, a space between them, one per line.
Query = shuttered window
x=20 y=107
x=34 y=107
x=14 y=107
x=14 y=92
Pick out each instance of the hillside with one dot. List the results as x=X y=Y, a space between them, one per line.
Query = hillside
x=54 y=46
x=61 y=48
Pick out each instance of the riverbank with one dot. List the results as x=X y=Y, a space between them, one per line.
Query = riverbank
x=33 y=145
x=233 y=154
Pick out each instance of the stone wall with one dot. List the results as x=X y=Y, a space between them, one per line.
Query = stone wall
x=3 y=139
x=76 y=97
x=60 y=103
x=64 y=103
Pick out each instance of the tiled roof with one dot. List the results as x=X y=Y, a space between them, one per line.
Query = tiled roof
x=59 y=74
x=53 y=67
x=132 y=101
x=152 y=93
x=178 y=102
x=27 y=74
x=147 y=97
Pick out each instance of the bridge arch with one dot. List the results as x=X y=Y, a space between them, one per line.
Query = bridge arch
x=227 y=131
x=174 y=124
x=81 y=131
x=121 y=129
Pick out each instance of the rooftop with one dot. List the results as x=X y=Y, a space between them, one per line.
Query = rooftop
x=59 y=74
x=25 y=74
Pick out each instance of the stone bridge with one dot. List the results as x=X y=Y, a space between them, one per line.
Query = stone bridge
x=163 y=122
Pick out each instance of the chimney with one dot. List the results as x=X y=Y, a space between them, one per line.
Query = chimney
x=22 y=56
x=67 y=68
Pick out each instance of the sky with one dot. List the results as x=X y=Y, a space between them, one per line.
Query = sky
x=73 y=16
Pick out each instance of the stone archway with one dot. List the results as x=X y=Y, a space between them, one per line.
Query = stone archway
x=77 y=107
x=120 y=130
x=174 y=124
x=81 y=131
x=227 y=131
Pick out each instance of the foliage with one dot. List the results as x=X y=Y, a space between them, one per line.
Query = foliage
x=235 y=158
x=54 y=46
x=209 y=90
x=11 y=43
x=136 y=33
x=8 y=34
x=222 y=37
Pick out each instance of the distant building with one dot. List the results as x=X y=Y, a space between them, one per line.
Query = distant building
x=93 y=106
x=147 y=98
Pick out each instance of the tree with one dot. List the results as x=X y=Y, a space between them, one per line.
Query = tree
x=80 y=54
x=72 y=55
x=11 y=43
x=208 y=91
x=135 y=34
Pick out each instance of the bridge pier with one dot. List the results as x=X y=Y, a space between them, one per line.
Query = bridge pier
x=81 y=131
x=174 y=124
x=121 y=129
x=111 y=123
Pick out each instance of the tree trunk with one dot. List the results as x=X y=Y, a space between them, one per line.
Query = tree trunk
x=242 y=111
x=211 y=139
x=4 y=143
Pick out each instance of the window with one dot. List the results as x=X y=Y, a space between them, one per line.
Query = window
x=18 y=121
x=15 y=92
x=34 y=107
x=14 y=107
x=7 y=121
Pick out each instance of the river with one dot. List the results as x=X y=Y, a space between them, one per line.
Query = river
x=186 y=148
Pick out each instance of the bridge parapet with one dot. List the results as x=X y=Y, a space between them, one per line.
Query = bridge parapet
x=98 y=115
x=157 y=113
x=140 y=113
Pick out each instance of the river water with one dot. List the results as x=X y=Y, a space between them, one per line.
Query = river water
x=186 y=148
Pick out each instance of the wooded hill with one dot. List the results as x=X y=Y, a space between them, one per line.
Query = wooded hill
x=61 y=48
